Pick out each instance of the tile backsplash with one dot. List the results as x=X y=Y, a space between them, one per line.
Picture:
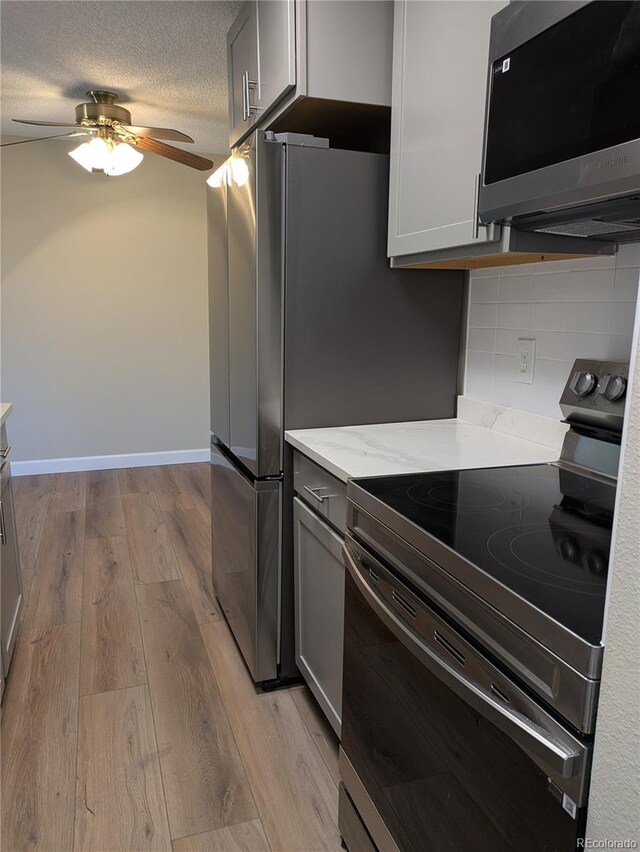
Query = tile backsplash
x=573 y=308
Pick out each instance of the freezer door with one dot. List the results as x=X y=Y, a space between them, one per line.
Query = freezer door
x=255 y=309
x=245 y=524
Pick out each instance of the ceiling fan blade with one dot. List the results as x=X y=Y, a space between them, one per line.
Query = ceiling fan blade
x=157 y=133
x=184 y=157
x=42 y=138
x=44 y=123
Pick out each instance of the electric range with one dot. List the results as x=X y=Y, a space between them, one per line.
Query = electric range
x=480 y=595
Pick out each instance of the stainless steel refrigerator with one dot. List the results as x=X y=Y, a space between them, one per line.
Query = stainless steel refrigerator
x=309 y=327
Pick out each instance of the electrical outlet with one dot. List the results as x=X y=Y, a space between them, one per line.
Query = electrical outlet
x=525 y=359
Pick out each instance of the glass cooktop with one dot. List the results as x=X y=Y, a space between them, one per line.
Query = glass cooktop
x=542 y=531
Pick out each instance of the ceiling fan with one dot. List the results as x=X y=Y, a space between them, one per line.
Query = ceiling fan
x=115 y=144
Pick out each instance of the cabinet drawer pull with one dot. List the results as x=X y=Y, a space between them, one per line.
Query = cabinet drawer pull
x=4 y=452
x=3 y=529
x=314 y=493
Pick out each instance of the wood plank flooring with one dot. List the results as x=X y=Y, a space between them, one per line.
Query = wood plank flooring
x=130 y=721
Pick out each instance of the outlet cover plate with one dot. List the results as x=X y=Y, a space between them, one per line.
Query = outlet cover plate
x=525 y=360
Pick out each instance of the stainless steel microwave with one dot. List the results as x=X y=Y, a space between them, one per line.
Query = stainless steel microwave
x=562 y=130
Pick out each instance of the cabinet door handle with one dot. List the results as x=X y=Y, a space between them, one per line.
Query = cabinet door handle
x=245 y=114
x=3 y=529
x=476 y=202
x=4 y=452
x=252 y=86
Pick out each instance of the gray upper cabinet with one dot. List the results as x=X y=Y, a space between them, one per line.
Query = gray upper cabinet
x=276 y=52
x=242 y=69
x=294 y=63
x=261 y=62
x=440 y=55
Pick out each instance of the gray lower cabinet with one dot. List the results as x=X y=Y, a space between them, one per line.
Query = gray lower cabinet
x=319 y=608
x=10 y=580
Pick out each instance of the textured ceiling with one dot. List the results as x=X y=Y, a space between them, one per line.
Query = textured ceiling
x=165 y=58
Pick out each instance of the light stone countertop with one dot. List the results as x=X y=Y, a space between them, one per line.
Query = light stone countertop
x=5 y=411
x=393 y=448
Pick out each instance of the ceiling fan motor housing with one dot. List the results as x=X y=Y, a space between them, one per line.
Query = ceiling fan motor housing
x=102 y=110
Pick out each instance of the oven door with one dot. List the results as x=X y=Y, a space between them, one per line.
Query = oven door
x=440 y=749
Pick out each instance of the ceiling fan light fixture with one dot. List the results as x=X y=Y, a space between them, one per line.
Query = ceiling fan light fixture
x=92 y=155
x=122 y=159
x=219 y=177
x=106 y=155
x=234 y=170
x=239 y=170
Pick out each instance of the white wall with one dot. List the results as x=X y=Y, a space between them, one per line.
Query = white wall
x=104 y=306
x=614 y=802
x=581 y=308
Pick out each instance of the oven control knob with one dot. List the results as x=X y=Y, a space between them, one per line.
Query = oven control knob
x=568 y=549
x=615 y=389
x=597 y=564
x=586 y=384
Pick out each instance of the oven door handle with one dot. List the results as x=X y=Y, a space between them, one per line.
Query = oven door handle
x=564 y=758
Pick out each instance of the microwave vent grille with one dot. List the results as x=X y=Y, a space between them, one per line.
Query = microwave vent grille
x=593 y=229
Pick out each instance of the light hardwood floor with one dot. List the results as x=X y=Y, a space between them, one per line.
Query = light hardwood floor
x=130 y=721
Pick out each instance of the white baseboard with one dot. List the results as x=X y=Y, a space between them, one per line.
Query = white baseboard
x=27 y=468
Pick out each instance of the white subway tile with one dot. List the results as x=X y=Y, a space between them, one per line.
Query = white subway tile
x=482 y=339
x=582 y=345
x=553 y=287
x=505 y=367
x=551 y=266
x=483 y=316
x=541 y=399
x=592 y=285
x=551 y=373
x=517 y=269
x=625 y=288
x=600 y=261
x=620 y=347
x=484 y=289
x=589 y=316
x=484 y=272
x=479 y=377
x=513 y=315
x=508 y=393
x=507 y=340
x=628 y=255
x=548 y=316
x=624 y=314
x=549 y=344
x=515 y=288
x=574 y=309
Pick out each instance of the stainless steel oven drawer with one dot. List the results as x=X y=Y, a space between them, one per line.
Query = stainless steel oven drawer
x=318 y=488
